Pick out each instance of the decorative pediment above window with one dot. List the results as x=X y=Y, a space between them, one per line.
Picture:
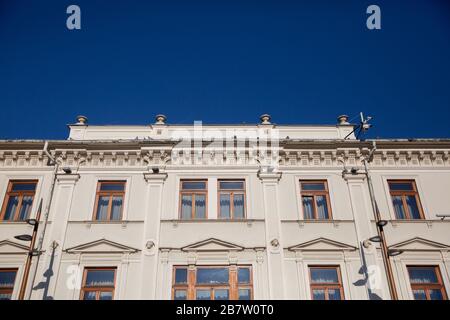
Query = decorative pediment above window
x=9 y=247
x=322 y=244
x=101 y=246
x=212 y=245
x=420 y=244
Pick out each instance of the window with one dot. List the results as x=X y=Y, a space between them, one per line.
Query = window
x=98 y=284
x=193 y=199
x=405 y=199
x=326 y=283
x=18 y=200
x=426 y=283
x=315 y=200
x=212 y=283
x=109 y=200
x=231 y=199
x=7 y=279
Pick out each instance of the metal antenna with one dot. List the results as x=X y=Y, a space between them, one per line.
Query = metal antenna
x=362 y=127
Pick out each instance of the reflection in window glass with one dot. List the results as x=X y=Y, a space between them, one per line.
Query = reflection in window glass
x=244 y=294
x=203 y=295
x=180 y=275
x=313 y=186
x=324 y=275
x=194 y=185
x=180 y=294
x=231 y=185
x=212 y=275
x=243 y=275
x=221 y=294
x=100 y=278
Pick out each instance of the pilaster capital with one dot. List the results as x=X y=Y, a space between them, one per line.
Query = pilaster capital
x=67 y=178
x=269 y=177
x=353 y=177
x=155 y=177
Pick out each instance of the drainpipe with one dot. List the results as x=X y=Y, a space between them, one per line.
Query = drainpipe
x=380 y=225
x=55 y=163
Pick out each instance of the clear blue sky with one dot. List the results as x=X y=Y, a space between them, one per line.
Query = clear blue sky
x=224 y=61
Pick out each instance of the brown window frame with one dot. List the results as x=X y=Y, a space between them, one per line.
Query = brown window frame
x=98 y=289
x=314 y=194
x=326 y=286
x=193 y=193
x=403 y=194
x=111 y=194
x=428 y=286
x=21 y=194
x=233 y=285
x=9 y=290
x=231 y=192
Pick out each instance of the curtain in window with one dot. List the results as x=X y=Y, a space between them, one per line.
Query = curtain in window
x=102 y=208
x=225 y=205
x=398 y=207
x=116 y=208
x=200 y=206
x=27 y=201
x=324 y=275
x=238 y=203
x=413 y=207
x=322 y=208
x=186 y=206
x=308 y=207
x=11 y=208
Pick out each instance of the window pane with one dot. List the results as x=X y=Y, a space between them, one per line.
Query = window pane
x=435 y=294
x=232 y=185
x=308 y=207
x=100 y=278
x=243 y=275
x=105 y=186
x=194 y=185
x=225 y=205
x=245 y=294
x=401 y=186
x=180 y=295
x=238 y=202
x=398 y=207
x=212 y=276
x=334 y=294
x=322 y=207
x=102 y=208
x=318 y=294
x=11 y=208
x=419 y=294
x=7 y=279
x=181 y=275
x=203 y=295
x=5 y=296
x=313 y=186
x=200 y=206
x=25 y=209
x=422 y=275
x=17 y=186
x=413 y=207
x=221 y=294
x=186 y=206
x=324 y=275
x=89 y=295
x=106 y=295
x=116 y=207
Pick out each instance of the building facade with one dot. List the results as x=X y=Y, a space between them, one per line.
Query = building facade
x=198 y=211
